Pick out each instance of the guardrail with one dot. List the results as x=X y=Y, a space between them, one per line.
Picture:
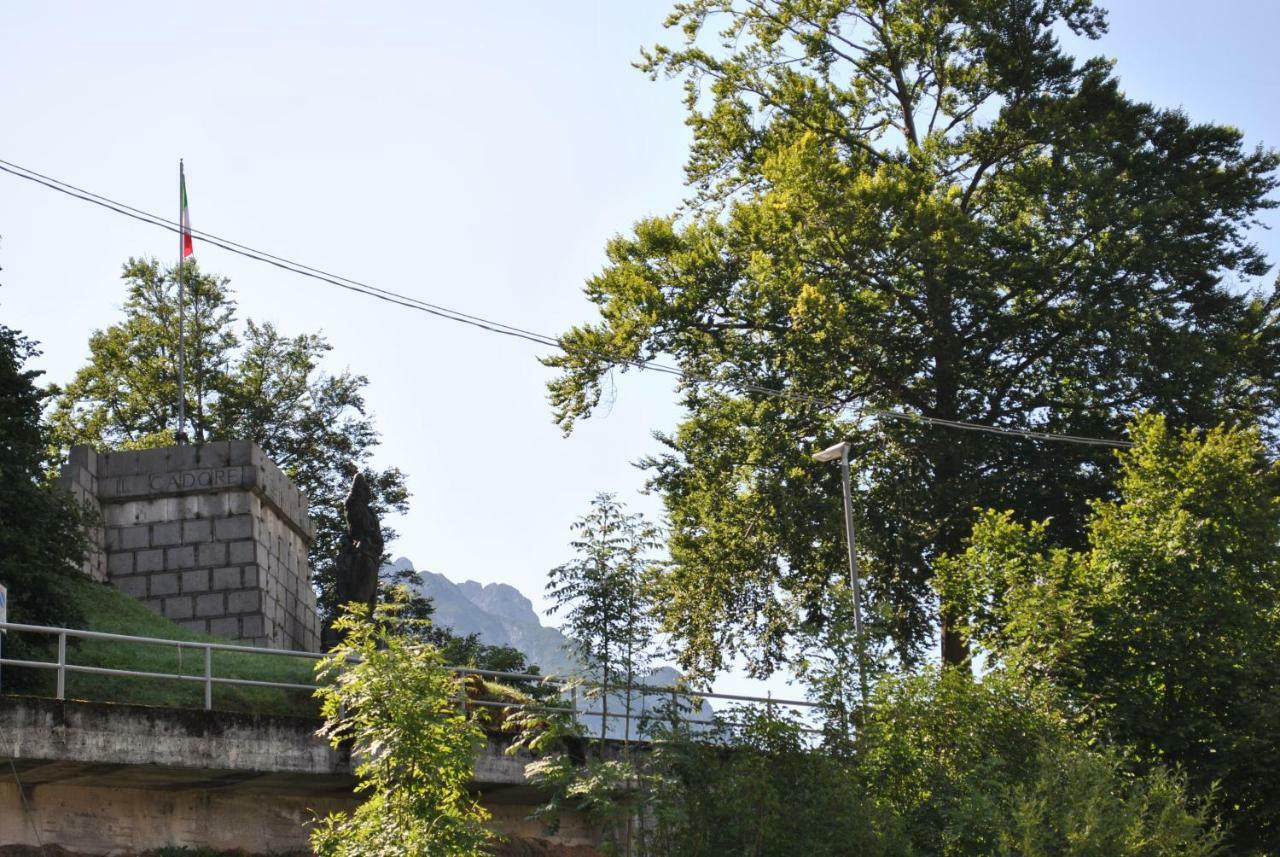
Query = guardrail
x=567 y=688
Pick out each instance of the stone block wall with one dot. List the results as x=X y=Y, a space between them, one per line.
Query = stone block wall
x=79 y=479
x=212 y=536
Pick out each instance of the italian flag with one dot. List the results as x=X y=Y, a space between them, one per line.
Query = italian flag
x=187 y=248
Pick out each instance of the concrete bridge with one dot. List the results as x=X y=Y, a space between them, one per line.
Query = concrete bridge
x=101 y=778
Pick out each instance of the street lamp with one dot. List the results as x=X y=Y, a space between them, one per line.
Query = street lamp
x=832 y=453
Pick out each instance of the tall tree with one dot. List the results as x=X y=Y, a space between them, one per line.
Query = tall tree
x=1164 y=632
x=254 y=383
x=927 y=207
x=41 y=535
x=602 y=594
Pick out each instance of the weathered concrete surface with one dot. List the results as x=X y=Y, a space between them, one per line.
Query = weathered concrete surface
x=120 y=779
x=213 y=536
x=136 y=736
x=102 y=820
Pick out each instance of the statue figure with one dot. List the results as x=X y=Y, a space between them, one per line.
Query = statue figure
x=359 y=554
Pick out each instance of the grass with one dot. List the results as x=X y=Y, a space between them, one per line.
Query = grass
x=106 y=609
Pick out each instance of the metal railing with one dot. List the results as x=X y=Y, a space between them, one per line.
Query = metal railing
x=566 y=689
x=62 y=666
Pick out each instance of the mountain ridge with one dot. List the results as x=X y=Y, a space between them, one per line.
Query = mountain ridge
x=501 y=615
x=498 y=613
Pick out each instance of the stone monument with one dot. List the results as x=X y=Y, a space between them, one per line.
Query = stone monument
x=213 y=536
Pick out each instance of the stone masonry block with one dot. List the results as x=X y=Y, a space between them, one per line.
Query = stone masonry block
x=178 y=608
x=196 y=531
x=227 y=578
x=120 y=514
x=244 y=601
x=212 y=505
x=235 y=527
x=179 y=458
x=188 y=508
x=196 y=580
x=241 y=553
x=151 y=560
x=131 y=538
x=214 y=454
x=84 y=455
x=120 y=563
x=227 y=626
x=211 y=553
x=180 y=557
x=134 y=586
x=164 y=584
x=198 y=625
x=155 y=604
x=251 y=626
x=239 y=503
x=210 y=605
x=169 y=533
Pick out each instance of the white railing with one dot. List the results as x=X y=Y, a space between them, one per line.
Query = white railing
x=566 y=689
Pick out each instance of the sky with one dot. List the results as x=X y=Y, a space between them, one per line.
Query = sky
x=477 y=156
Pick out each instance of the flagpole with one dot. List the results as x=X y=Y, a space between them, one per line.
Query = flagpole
x=182 y=344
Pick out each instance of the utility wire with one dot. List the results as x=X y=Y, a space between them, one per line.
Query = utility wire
x=492 y=326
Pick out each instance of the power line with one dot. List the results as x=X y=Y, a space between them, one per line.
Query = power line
x=498 y=327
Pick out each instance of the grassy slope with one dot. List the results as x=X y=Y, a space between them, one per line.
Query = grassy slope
x=106 y=609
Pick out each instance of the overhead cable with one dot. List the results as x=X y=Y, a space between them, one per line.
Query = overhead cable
x=491 y=326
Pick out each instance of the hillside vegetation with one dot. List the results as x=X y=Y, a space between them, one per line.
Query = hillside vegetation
x=106 y=609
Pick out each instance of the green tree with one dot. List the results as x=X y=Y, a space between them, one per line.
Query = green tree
x=42 y=541
x=826 y=661
x=253 y=384
x=607 y=615
x=394 y=702
x=602 y=594
x=945 y=765
x=1165 y=632
x=928 y=207
x=755 y=789
x=992 y=767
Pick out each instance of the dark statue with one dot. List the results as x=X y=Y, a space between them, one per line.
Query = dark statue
x=359 y=554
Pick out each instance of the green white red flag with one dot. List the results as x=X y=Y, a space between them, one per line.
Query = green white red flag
x=187 y=248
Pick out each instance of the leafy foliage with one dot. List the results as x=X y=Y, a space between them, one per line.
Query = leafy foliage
x=927 y=207
x=394 y=702
x=41 y=540
x=1163 y=632
x=258 y=385
x=602 y=592
x=944 y=765
x=756 y=789
x=826 y=662
x=987 y=767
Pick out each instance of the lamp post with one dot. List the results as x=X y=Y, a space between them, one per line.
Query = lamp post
x=841 y=452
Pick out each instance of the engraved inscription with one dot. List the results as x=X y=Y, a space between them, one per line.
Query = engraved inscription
x=187 y=480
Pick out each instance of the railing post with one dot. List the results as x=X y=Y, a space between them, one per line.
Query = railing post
x=62 y=664
x=208 y=677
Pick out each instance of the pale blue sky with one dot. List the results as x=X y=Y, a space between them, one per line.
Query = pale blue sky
x=473 y=155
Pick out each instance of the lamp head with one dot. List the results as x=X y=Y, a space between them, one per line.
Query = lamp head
x=833 y=453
